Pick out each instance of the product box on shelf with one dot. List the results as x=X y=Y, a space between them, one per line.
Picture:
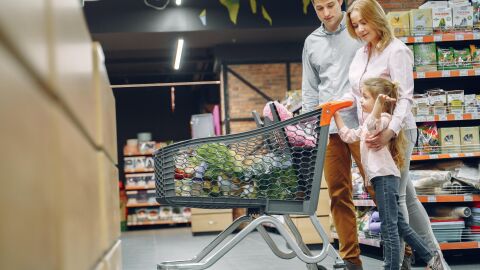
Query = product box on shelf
x=475 y=52
x=448 y=230
x=476 y=14
x=434 y=4
x=469 y=138
x=462 y=17
x=442 y=19
x=166 y=212
x=455 y=99
x=446 y=58
x=421 y=22
x=450 y=139
x=425 y=56
x=140 y=180
x=463 y=58
x=438 y=99
x=400 y=23
x=421 y=105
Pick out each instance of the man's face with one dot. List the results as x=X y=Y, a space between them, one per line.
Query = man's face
x=329 y=12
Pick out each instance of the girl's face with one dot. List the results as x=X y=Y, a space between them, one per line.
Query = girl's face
x=367 y=101
x=363 y=29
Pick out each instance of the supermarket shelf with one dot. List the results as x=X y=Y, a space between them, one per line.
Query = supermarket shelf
x=442 y=37
x=449 y=198
x=157 y=222
x=447 y=73
x=140 y=188
x=132 y=205
x=364 y=202
x=460 y=245
x=366 y=241
x=448 y=117
x=445 y=156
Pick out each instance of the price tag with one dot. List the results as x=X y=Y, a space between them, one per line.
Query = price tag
x=469 y=154
x=420 y=75
x=468 y=198
x=476 y=35
x=445 y=73
x=431 y=198
x=418 y=39
x=404 y=39
x=463 y=72
x=454 y=155
x=433 y=156
x=477 y=72
x=442 y=117
x=437 y=38
x=459 y=37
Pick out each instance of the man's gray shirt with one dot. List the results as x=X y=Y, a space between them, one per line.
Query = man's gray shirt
x=326 y=61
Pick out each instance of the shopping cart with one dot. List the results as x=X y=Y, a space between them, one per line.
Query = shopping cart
x=272 y=170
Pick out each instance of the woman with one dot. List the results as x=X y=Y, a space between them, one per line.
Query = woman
x=383 y=55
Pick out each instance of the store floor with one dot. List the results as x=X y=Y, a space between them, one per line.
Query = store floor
x=142 y=250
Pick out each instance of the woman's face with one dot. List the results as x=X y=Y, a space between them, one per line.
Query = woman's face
x=363 y=29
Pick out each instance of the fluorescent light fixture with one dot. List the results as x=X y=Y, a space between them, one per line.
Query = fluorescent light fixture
x=178 y=2
x=178 y=55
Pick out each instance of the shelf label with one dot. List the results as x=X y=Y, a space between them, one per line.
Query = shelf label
x=442 y=117
x=431 y=198
x=445 y=73
x=418 y=39
x=468 y=198
x=477 y=72
x=476 y=35
x=469 y=154
x=459 y=37
x=433 y=156
x=437 y=38
x=454 y=155
x=463 y=72
x=404 y=39
x=420 y=75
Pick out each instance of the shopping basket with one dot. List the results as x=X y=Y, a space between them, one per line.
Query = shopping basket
x=272 y=170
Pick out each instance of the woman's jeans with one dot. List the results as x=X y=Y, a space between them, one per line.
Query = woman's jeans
x=394 y=224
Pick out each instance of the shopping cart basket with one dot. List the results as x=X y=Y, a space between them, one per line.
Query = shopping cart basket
x=272 y=170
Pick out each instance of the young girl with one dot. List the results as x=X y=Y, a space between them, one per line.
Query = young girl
x=382 y=170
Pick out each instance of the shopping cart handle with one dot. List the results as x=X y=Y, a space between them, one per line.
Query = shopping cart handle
x=329 y=109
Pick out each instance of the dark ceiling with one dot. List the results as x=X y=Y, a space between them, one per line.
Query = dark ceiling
x=140 y=42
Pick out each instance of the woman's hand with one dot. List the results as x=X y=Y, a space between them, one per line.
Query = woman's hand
x=379 y=140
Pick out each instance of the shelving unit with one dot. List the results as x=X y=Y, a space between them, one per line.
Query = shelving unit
x=140 y=189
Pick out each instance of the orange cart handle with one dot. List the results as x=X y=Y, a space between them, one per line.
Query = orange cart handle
x=329 y=109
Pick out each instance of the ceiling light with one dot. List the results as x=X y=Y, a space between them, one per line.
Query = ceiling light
x=178 y=2
x=178 y=55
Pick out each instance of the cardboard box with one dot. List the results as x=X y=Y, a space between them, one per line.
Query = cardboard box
x=462 y=17
x=425 y=56
x=421 y=22
x=400 y=23
x=442 y=19
x=450 y=140
x=469 y=138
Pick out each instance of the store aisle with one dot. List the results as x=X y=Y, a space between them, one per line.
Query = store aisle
x=142 y=250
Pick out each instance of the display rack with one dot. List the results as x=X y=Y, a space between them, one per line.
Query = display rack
x=140 y=182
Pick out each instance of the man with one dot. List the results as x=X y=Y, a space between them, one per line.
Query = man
x=327 y=54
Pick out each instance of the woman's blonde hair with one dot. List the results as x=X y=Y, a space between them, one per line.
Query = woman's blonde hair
x=373 y=13
x=376 y=86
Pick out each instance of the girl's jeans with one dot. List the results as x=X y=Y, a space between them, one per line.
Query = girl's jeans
x=394 y=224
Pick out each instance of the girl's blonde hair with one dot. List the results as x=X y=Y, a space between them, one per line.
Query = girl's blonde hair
x=376 y=86
x=373 y=13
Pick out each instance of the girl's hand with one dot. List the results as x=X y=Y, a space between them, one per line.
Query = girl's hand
x=384 y=98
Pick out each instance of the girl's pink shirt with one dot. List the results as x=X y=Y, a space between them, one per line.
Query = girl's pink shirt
x=375 y=163
x=395 y=63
